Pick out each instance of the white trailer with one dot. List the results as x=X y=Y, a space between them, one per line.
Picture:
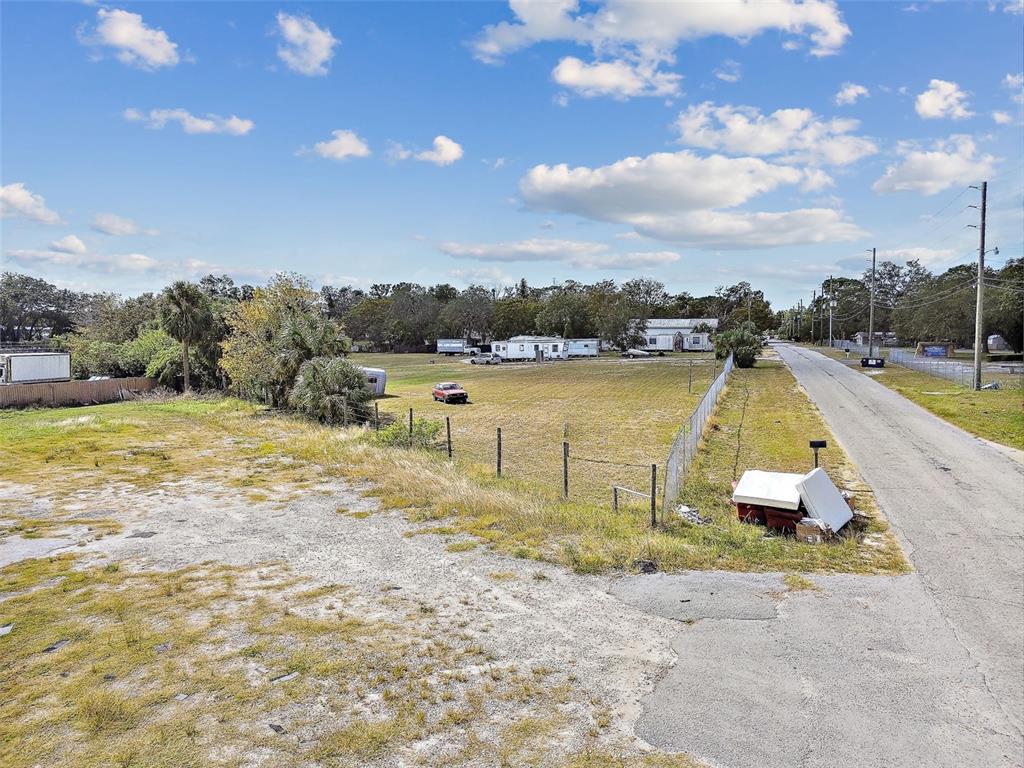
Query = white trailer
x=532 y=348
x=582 y=347
x=456 y=347
x=34 y=367
x=376 y=379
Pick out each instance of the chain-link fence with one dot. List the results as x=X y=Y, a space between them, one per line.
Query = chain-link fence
x=961 y=372
x=684 y=447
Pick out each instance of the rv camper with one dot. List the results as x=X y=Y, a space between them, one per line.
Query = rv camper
x=582 y=347
x=376 y=379
x=532 y=348
x=34 y=367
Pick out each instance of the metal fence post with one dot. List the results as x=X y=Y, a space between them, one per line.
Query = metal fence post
x=448 y=430
x=410 y=425
x=654 y=495
x=565 y=469
x=615 y=498
x=376 y=416
x=499 y=451
x=689 y=378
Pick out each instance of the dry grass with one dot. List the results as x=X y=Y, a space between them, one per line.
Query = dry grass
x=612 y=410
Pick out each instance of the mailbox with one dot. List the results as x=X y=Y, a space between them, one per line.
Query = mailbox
x=872 y=362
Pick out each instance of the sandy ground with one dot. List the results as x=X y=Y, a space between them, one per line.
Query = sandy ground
x=564 y=622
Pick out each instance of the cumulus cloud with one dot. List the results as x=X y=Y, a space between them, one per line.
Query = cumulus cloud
x=1014 y=83
x=105 y=263
x=16 y=200
x=619 y=79
x=210 y=123
x=1002 y=118
x=485 y=275
x=942 y=99
x=307 y=48
x=112 y=224
x=133 y=42
x=929 y=171
x=654 y=30
x=850 y=92
x=928 y=257
x=678 y=197
x=68 y=244
x=344 y=145
x=730 y=71
x=796 y=135
x=576 y=253
x=445 y=152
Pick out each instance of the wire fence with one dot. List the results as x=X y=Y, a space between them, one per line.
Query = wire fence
x=684 y=447
x=961 y=373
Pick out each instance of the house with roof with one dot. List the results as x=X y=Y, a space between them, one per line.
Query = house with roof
x=682 y=334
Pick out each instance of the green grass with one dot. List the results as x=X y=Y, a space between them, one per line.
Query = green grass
x=610 y=410
x=994 y=414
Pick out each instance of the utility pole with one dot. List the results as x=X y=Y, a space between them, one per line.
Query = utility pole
x=871 y=312
x=831 y=301
x=814 y=300
x=980 y=307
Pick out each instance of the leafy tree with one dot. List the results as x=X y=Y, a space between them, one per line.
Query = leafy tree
x=339 y=301
x=514 y=316
x=468 y=315
x=647 y=297
x=371 y=320
x=331 y=390
x=618 y=324
x=185 y=314
x=1004 y=303
x=566 y=313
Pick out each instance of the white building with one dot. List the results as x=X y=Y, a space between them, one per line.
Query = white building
x=678 y=334
x=530 y=347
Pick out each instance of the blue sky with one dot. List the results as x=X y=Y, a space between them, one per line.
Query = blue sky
x=483 y=142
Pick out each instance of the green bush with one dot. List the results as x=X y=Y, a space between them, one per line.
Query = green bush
x=425 y=433
x=744 y=343
x=331 y=390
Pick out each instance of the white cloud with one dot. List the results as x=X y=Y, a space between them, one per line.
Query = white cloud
x=16 y=200
x=676 y=197
x=158 y=118
x=344 y=145
x=928 y=257
x=850 y=92
x=106 y=263
x=112 y=224
x=929 y=171
x=445 y=152
x=577 y=253
x=1015 y=7
x=307 y=48
x=68 y=244
x=942 y=99
x=730 y=71
x=485 y=275
x=796 y=135
x=135 y=44
x=1002 y=118
x=618 y=78
x=1015 y=84
x=651 y=31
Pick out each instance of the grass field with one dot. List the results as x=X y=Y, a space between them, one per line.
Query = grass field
x=996 y=415
x=617 y=412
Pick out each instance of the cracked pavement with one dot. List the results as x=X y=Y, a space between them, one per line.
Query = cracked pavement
x=919 y=670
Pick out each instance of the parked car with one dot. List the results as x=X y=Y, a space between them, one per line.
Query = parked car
x=631 y=353
x=490 y=358
x=450 y=392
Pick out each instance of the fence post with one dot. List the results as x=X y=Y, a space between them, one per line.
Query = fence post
x=689 y=378
x=714 y=370
x=499 y=451
x=565 y=469
x=376 y=416
x=654 y=496
x=448 y=430
x=615 y=498
x=410 y=425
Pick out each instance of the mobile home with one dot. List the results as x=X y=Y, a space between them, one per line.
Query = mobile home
x=456 y=347
x=582 y=347
x=678 y=334
x=34 y=367
x=532 y=348
x=376 y=379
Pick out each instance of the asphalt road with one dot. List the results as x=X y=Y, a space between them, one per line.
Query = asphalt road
x=918 y=670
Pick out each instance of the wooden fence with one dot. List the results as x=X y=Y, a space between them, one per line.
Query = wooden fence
x=73 y=392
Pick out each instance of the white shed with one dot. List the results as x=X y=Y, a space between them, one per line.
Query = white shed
x=582 y=347
x=376 y=379
x=529 y=347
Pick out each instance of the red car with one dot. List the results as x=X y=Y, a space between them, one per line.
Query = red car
x=450 y=392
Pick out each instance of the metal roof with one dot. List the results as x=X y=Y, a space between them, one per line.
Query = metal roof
x=681 y=322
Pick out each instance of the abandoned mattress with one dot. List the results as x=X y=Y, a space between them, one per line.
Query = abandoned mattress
x=768 y=489
x=823 y=500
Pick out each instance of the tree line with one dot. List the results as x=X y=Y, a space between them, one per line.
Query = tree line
x=915 y=305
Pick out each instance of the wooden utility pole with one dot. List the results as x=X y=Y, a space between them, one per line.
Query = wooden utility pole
x=979 y=310
x=831 y=301
x=871 y=311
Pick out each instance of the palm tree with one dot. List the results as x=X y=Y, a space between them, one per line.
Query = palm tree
x=185 y=314
x=331 y=390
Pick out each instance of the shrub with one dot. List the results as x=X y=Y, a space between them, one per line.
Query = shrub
x=744 y=344
x=331 y=390
x=425 y=433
